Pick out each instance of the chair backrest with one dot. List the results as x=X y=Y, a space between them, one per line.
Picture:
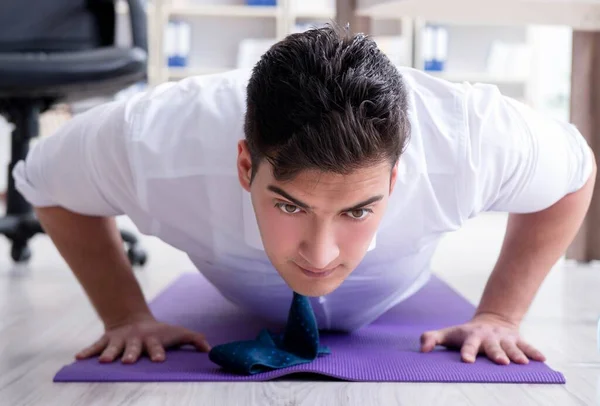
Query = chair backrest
x=56 y=25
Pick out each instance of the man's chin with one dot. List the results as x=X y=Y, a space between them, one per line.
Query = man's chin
x=313 y=288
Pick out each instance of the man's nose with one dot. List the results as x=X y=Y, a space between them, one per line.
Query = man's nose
x=320 y=249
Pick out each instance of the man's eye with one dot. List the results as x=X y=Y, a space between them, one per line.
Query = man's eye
x=288 y=208
x=359 y=214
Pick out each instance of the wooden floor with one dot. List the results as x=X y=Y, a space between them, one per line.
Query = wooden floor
x=45 y=319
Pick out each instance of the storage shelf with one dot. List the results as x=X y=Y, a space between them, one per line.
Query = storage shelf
x=240 y=11
x=578 y=14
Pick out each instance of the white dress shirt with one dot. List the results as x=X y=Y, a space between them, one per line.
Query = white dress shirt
x=167 y=159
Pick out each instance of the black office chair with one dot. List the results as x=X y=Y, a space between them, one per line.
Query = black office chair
x=60 y=51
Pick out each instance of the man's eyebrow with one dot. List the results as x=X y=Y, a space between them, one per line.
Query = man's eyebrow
x=292 y=199
x=365 y=203
x=305 y=206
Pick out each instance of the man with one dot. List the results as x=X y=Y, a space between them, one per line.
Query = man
x=326 y=171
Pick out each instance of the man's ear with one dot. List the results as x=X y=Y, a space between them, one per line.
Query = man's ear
x=393 y=177
x=244 y=165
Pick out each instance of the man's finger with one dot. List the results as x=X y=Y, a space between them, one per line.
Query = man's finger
x=93 y=349
x=470 y=348
x=514 y=353
x=530 y=351
x=155 y=349
x=430 y=339
x=113 y=350
x=492 y=349
x=133 y=350
x=197 y=340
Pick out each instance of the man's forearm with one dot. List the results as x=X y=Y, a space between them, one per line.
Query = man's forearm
x=534 y=242
x=93 y=249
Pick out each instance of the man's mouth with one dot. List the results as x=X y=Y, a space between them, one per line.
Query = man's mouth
x=317 y=273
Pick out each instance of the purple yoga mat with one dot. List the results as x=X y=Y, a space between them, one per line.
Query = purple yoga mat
x=386 y=350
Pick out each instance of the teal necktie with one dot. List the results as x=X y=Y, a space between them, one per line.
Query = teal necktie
x=298 y=344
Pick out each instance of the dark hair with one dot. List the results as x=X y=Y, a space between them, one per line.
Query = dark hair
x=326 y=100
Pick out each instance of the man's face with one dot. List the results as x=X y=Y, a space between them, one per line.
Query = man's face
x=317 y=227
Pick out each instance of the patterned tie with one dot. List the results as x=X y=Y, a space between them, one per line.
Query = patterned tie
x=298 y=344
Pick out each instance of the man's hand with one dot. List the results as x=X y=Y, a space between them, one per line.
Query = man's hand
x=146 y=334
x=485 y=333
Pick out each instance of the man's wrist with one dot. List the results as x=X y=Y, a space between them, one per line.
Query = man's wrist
x=482 y=314
x=127 y=317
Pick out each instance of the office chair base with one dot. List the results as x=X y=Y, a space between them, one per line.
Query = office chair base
x=137 y=255
x=20 y=253
x=20 y=229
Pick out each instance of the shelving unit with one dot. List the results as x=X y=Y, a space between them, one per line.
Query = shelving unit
x=220 y=26
x=577 y=14
x=212 y=52
x=473 y=26
x=469 y=48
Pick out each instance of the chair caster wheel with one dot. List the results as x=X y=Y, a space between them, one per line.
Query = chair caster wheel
x=137 y=256
x=20 y=253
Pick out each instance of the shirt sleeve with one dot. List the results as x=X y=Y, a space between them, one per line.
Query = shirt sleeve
x=84 y=167
x=518 y=160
